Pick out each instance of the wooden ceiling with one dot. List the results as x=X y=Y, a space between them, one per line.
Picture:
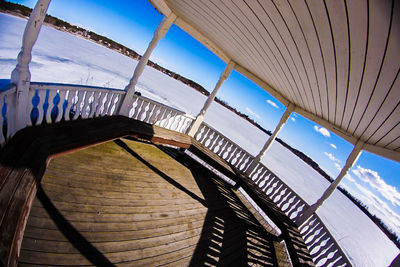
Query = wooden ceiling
x=337 y=61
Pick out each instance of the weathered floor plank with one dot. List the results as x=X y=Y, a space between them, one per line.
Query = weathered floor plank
x=128 y=203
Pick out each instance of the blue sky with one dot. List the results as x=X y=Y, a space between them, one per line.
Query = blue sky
x=373 y=179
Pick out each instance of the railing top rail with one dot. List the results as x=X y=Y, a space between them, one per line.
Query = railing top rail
x=228 y=139
x=166 y=106
x=77 y=87
x=62 y=86
x=8 y=89
x=259 y=164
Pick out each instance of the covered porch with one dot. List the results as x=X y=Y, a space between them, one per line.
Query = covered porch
x=43 y=121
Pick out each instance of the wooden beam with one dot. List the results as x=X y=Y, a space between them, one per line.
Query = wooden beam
x=272 y=91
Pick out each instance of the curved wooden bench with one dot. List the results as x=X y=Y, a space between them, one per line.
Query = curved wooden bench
x=24 y=159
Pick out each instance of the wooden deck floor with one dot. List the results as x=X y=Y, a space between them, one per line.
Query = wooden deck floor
x=129 y=203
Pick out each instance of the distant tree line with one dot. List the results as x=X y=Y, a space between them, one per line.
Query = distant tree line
x=20 y=10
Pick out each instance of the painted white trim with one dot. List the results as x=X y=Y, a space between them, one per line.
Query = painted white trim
x=351 y=159
x=194 y=127
x=251 y=76
x=272 y=138
x=163 y=7
x=21 y=75
x=159 y=33
x=387 y=153
x=345 y=135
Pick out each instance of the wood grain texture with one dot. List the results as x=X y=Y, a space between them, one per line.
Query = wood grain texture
x=135 y=205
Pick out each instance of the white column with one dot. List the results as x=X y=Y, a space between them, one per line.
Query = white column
x=21 y=75
x=200 y=117
x=160 y=32
x=271 y=139
x=354 y=155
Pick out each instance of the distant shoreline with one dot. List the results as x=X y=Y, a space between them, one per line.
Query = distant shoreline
x=24 y=12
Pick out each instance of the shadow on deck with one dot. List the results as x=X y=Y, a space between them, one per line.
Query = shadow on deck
x=129 y=203
x=126 y=202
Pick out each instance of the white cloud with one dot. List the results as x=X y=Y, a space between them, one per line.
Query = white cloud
x=272 y=103
x=375 y=181
x=333 y=145
x=376 y=206
x=293 y=119
x=331 y=157
x=322 y=131
x=337 y=165
x=252 y=113
x=349 y=177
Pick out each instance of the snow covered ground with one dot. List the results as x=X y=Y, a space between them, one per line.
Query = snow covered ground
x=64 y=58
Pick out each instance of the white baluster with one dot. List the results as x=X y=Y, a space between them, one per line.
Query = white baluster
x=9 y=99
x=60 y=105
x=86 y=103
x=70 y=101
x=42 y=98
x=117 y=101
x=171 y=120
x=79 y=104
x=181 y=120
x=167 y=119
x=2 y=137
x=94 y=105
x=153 y=114
x=32 y=94
x=134 y=105
x=145 y=112
x=228 y=151
x=199 y=134
x=111 y=104
x=138 y=109
x=156 y=118
x=50 y=107
x=287 y=201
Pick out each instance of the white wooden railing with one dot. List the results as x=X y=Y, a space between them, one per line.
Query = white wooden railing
x=223 y=147
x=150 y=111
x=50 y=103
x=54 y=102
x=7 y=109
x=323 y=247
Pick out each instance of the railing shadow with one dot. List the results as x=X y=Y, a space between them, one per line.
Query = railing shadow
x=124 y=146
x=230 y=233
x=90 y=252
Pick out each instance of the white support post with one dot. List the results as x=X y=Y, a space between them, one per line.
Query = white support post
x=354 y=155
x=21 y=75
x=200 y=117
x=271 y=139
x=160 y=32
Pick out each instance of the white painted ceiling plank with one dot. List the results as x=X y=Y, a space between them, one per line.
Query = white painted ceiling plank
x=249 y=20
x=290 y=53
x=390 y=104
x=305 y=19
x=337 y=14
x=281 y=50
x=358 y=20
x=380 y=13
x=303 y=51
x=274 y=56
x=319 y=15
